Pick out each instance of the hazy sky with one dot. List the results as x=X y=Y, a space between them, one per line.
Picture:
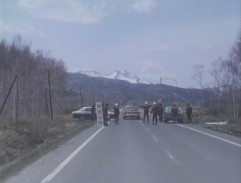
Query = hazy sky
x=150 y=38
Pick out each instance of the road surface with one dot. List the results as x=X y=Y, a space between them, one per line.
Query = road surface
x=132 y=152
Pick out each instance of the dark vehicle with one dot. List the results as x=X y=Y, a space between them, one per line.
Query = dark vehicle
x=167 y=115
x=83 y=113
x=131 y=112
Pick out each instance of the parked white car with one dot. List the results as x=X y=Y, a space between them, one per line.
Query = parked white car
x=83 y=113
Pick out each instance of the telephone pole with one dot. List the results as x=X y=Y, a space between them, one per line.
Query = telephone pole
x=50 y=97
x=81 y=97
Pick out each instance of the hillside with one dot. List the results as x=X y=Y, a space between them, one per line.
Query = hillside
x=109 y=90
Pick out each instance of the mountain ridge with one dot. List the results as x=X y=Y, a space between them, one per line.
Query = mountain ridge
x=117 y=75
x=109 y=90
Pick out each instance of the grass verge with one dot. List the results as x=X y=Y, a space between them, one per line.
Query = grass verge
x=42 y=149
x=231 y=129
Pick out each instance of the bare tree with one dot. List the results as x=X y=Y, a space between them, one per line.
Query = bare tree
x=216 y=73
x=198 y=75
x=17 y=59
x=226 y=75
x=199 y=71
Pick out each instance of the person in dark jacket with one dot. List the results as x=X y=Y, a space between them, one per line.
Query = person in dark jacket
x=105 y=114
x=160 y=111
x=189 y=113
x=146 y=112
x=116 y=113
x=174 y=112
x=93 y=115
x=154 y=112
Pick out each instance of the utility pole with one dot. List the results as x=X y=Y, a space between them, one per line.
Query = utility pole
x=50 y=97
x=234 y=104
x=9 y=91
x=94 y=89
x=161 y=79
x=81 y=97
x=175 y=81
x=17 y=102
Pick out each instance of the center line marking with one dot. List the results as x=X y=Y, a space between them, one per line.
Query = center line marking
x=169 y=154
x=155 y=138
x=147 y=129
x=69 y=158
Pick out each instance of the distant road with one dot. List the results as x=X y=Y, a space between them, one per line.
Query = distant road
x=135 y=153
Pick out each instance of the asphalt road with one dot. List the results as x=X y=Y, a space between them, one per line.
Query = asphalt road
x=131 y=152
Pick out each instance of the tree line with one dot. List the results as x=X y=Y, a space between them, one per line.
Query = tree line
x=30 y=74
x=226 y=85
x=35 y=75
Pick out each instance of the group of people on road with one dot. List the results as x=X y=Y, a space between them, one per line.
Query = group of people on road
x=116 y=113
x=156 y=110
x=105 y=109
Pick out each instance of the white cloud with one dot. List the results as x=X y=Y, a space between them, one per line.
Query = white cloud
x=22 y=29
x=65 y=10
x=145 y=6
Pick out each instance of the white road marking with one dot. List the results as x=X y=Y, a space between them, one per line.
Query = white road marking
x=219 y=138
x=147 y=129
x=155 y=138
x=169 y=155
x=69 y=158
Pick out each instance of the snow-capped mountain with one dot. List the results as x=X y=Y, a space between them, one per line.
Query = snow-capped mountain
x=119 y=75
x=91 y=73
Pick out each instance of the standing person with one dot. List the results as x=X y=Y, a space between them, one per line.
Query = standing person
x=116 y=113
x=105 y=114
x=93 y=112
x=146 y=112
x=174 y=112
x=189 y=113
x=160 y=111
x=154 y=112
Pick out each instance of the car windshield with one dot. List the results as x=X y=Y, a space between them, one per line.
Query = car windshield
x=131 y=109
x=85 y=109
x=169 y=109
